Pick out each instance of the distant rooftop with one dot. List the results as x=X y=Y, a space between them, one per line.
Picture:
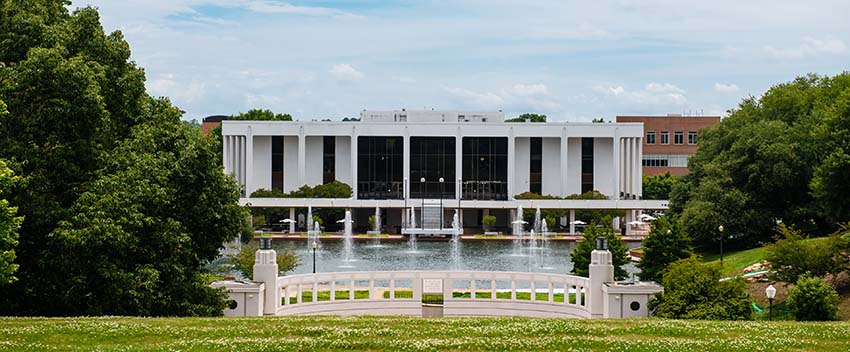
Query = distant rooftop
x=405 y=115
x=215 y=118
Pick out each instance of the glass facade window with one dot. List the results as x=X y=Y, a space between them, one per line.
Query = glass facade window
x=380 y=167
x=432 y=158
x=485 y=168
x=277 y=163
x=692 y=137
x=535 y=175
x=665 y=137
x=679 y=137
x=328 y=159
x=650 y=137
x=586 y=165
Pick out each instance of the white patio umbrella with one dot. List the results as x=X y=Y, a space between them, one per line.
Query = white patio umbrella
x=646 y=217
x=287 y=220
x=636 y=222
x=578 y=222
x=519 y=222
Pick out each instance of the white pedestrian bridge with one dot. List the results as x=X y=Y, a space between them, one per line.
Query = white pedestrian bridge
x=440 y=293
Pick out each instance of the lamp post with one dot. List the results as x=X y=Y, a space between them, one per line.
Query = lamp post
x=770 y=291
x=422 y=195
x=720 y=228
x=315 y=245
x=441 y=203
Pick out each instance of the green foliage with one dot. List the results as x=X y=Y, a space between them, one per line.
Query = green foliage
x=260 y=115
x=581 y=214
x=598 y=120
x=122 y=201
x=658 y=186
x=527 y=117
x=693 y=290
x=791 y=257
x=812 y=299
x=619 y=251
x=666 y=243
x=243 y=261
x=781 y=156
x=9 y=222
x=372 y=222
x=335 y=189
x=488 y=222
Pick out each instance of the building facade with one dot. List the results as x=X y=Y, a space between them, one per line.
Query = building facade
x=669 y=141
x=401 y=161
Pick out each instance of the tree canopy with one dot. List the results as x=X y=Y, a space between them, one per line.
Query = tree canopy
x=619 y=251
x=9 y=223
x=781 y=157
x=528 y=117
x=693 y=290
x=122 y=202
x=658 y=186
x=667 y=242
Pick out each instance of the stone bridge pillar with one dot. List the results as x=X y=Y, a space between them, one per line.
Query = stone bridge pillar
x=601 y=271
x=265 y=271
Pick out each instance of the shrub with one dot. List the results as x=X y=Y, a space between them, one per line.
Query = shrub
x=812 y=299
x=581 y=256
x=243 y=261
x=693 y=290
x=790 y=257
x=666 y=243
x=371 y=222
x=488 y=222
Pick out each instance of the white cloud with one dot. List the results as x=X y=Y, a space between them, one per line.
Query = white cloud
x=180 y=93
x=725 y=88
x=655 y=94
x=279 y=7
x=810 y=47
x=518 y=97
x=346 y=72
x=663 y=88
x=404 y=79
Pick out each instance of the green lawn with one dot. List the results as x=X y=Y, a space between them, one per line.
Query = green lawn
x=400 y=333
x=733 y=262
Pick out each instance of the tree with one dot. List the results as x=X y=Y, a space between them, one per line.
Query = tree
x=782 y=156
x=812 y=299
x=658 y=186
x=527 y=117
x=666 y=243
x=160 y=210
x=598 y=120
x=693 y=290
x=122 y=202
x=260 y=115
x=488 y=222
x=790 y=258
x=581 y=256
x=9 y=222
x=243 y=261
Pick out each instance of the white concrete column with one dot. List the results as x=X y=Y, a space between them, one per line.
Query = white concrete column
x=640 y=167
x=292 y=223
x=601 y=271
x=629 y=218
x=302 y=158
x=249 y=162
x=627 y=156
x=225 y=149
x=511 y=164
x=265 y=271
x=354 y=163
x=406 y=163
x=458 y=164
x=565 y=148
x=240 y=174
x=572 y=221
x=617 y=160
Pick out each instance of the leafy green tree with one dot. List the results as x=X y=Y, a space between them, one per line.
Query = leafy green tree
x=594 y=215
x=260 y=115
x=791 y=258
x=619 y=251
x=9 y=223
x=527 y=117
x=122 y=202
x=812 y=299
x=160 y=209
x=598 y=120
x=782 y=156
x=693 y=290
x=667 y=242
x=488 y=222
x=658 y=186
x=243 y=261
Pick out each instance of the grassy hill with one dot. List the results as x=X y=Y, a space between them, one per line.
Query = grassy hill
x=403 y=333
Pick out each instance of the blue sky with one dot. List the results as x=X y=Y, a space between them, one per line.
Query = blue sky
x=571 y=60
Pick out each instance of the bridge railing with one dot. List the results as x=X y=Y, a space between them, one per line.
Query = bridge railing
x=464 y=293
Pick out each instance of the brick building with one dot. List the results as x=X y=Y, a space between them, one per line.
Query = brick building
x=669 y=141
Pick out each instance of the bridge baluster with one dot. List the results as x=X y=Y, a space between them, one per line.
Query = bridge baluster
x=351 y=291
